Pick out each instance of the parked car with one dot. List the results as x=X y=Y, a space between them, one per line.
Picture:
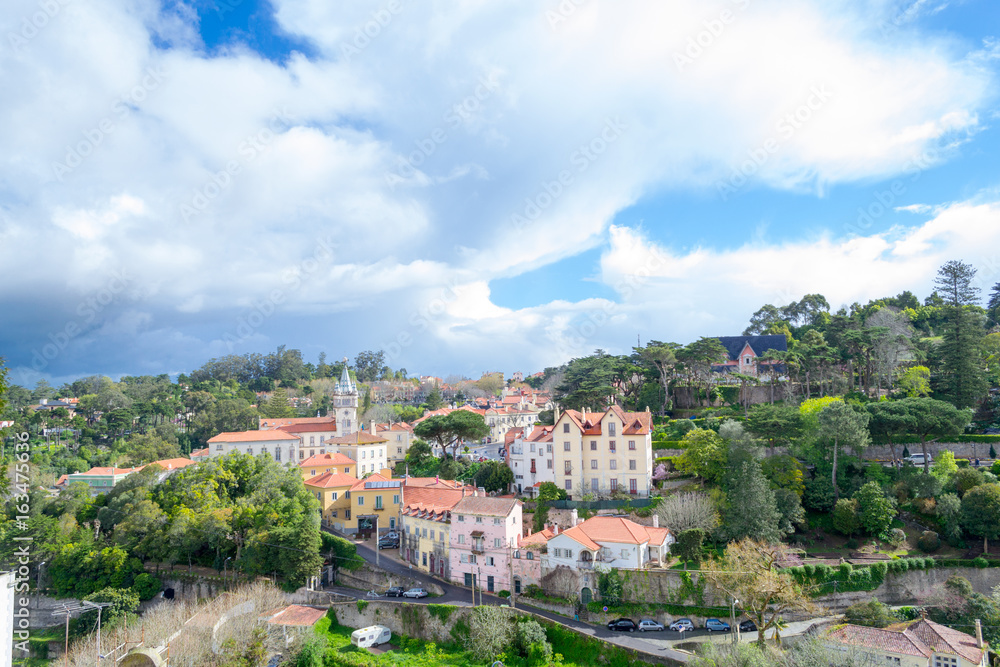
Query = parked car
x=622 y=625
x=715 y=625
x=395 y=592
x=682 y=625
x=649 y=625
x=393 y=534
x=415 y=593
x=748 y=626
x=918 y=459
x=388 y=543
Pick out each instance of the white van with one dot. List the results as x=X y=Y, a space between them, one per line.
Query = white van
x=371 y=636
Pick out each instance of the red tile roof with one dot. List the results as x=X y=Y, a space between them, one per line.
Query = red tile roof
x=329 y=480
x=322 y=427
x=485 y=506
x=173 y=464
x=917 y=638
x=375 y=477
x=357 y=438
x=253 y=436
x=267 y=423
x=617 y=530
x=536 y=539
x=109 y=471
x=330 y=459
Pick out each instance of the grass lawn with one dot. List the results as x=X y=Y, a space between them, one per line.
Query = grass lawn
x=576 y=651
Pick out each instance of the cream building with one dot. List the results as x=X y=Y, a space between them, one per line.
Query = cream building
x=426 y=522
x=398 y=437
x=367 y=450
x=602 y=453
x=919 y=643
x=284 y=447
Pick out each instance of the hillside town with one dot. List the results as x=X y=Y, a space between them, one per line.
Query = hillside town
x=758 y=486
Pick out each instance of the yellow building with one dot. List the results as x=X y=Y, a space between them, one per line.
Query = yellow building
x=426 y=522
x=333 y=491
x=315 y=466
x=375 y=503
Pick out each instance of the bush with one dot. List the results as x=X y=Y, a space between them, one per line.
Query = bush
x=879 y=570
x=929 y=541
x=504 y=594
x=146 y=586
x=844 y=571
x=851 y=544
x=980 y=562
x=896 y=537
x=871 y=613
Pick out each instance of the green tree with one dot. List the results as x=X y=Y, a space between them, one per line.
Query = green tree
x=889 y=421
x=961 y=378
x=452 y=429
x=704 y=454
x=934 y=419
x=688 y=546
x=751 y=511
x=277 y=406
x=981 y=513
x=549 y=491
x=790 y=512
x=662 y=357
x=777 y=424
x=949 y=510
x=915 y=381
x=843 y=425
x=965 y=479
x=845 y=517
x=944 y=466
x=871 y=613
x=434 y=400
x=876 y=510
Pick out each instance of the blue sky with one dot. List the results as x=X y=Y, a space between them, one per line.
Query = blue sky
x=476 y=186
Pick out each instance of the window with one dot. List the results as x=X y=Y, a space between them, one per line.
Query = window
x=218 y=447
x=432 y=534
x=631 y=464
x=364 y=454
x=593 y=445
x=479 y=519
x=424 y=559
x=557 y=553
x=624 y=553
x=347 y=471
x=611 y=446
x=593 y=464
x=333 y=513
x=497 y=542
x=461 y=518
x=531 y=556
x=347 y=494
x=631 y=444
x=472 y=558
x=548 y=448
x=490 y=561
x=312 y=452
x=424 y=533
x=566 y=428
x=441 y=535
x=569 y=485
x=517 y=585
x=565 y=446
x=312 y=439
x=319 y=496
x=532 y=448
x=568 y=553
x=407 y=529
x=312 y=472
x=595 y=485
x=361 y=500
x=395 y=500
x=277 y=453
x=548 y=464
x=399 y=450
x=378 y=502
x=302 y=454
x=945 y=661
x=333 y=495
x=614 y=464
x=568 y=467
x=517 y=555
x=461 y=539
x=614 y=483
x=464 y=558
x=889 y=660
x=497 y=521
x=347 y=514
x=611 y=428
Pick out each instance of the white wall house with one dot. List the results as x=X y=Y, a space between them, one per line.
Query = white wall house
x=531 y=459
x=612 y=542
x=284 y=447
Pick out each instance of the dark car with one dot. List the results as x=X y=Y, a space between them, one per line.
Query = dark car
x=395 y=592
x=388 y=543
x=748 y=626
x=622 y=625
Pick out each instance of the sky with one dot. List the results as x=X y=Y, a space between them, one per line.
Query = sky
x=475 y=186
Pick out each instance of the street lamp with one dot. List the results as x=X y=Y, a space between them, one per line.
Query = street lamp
x=735 y=629
x=38 y=585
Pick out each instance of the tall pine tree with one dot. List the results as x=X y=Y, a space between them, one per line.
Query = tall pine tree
x=960 y=376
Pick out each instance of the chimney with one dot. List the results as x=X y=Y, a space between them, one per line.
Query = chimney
x=656 y=520
x=373 y=428
x=979 y=634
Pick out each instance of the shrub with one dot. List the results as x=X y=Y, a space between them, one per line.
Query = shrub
x=879 y=570
x=851 y=544
x=896 y=537
x=929 y=541
x=810 y=570
x=980 y=562
x=845 y=570
x=146 y=586
x=871 y=613
x=924 y=505
x=504 y=594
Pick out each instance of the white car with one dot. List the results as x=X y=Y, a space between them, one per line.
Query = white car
x=415 y=593
x=648 y=625
x=918 y=459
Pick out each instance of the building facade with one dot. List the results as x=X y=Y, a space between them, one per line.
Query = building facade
x=531 y=460
x=366 y=450
x=919 y=643
x=284 y=447
x=484 y=533
x=603 y=453
x=324 y=463
x=333 y=491
x=609 y=542
x=375 y=504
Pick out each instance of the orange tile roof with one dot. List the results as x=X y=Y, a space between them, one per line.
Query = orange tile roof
x=918 y=638
x=512 y=435
x=413 y=482
x=330 y=480
x=617 y=530
x=173 y=464
x=201 y=452
x=394 y=426
x=536 y=539
x=374 y=477
x=633 y=423
x=577 y=534
x=253 y=436
x=357 y=438
x=435 y=501
x=109 y=471
x=62 y=480
x=320 y=427
x=541 y=434
x=328 y=459
x=296 y=614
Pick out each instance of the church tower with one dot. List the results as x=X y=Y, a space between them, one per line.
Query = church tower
x=345 y=403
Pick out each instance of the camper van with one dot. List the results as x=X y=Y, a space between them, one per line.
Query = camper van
x=371 y=636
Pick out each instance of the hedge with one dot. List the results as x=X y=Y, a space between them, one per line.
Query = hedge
x=824 y=579
x=915 y=440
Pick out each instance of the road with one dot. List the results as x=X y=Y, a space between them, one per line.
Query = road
x=657 y=643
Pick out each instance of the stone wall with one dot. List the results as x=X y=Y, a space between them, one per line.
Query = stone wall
x=915 y=587
x=193 y=588
x=962 y=450
x=368 y=577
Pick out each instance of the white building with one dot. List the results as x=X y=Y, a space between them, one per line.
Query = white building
x=531 y=459
x=345 y=404
x=610 y=542
x=284 y=447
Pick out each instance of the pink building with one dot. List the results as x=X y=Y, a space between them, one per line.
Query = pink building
x=484 y=534
x=527 y=563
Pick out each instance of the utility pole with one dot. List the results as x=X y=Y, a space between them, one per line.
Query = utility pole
x=510 y=560
x=376 y=541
